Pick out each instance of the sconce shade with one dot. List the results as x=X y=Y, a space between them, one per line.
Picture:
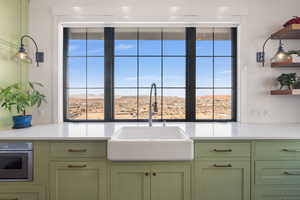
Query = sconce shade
x=281 y=56
x=23 y=56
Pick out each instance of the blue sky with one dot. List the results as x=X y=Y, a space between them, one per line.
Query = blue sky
x=150 y=67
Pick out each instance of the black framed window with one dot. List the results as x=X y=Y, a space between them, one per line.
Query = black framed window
x=84 y=74
x=144 y=56
x=194 y=69
x=215 y=74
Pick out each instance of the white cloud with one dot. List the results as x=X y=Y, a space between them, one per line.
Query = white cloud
x=225 y=72
x=124 y=46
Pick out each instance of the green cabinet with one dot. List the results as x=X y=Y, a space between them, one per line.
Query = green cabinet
x=215 y=180
x=130 y=183
x=78 y=180
x=22 y=192
x=150 y=182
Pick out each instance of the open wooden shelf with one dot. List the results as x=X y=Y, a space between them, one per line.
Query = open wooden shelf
x=285 y=92
x=291 y=32
x=280 y=65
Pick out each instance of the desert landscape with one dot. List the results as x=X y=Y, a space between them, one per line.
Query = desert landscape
x=127 y=107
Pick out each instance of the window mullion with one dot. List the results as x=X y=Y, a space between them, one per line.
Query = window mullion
x=234 y=74
x=108 y=74
x=190 y=73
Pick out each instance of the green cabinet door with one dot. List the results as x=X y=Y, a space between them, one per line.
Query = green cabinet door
x=222 y=180
x=78 y=181
x=150 y=182
x=130 y=182
x=170 y=182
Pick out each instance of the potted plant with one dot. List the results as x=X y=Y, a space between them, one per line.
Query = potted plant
x=19 y=97
x=287 y=80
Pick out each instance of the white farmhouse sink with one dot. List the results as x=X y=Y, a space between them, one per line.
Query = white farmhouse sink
x=150 y=144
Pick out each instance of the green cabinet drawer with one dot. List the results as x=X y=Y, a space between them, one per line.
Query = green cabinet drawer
x=277 y=172
x=277 y=192
x=277 y=150
x=22 y=192
x=19 y=196
x=222 y=150
x=78 y=150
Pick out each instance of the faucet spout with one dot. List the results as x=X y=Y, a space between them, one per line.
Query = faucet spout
x=154 y=105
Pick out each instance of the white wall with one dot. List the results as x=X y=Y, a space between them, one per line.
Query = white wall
x=256 y=18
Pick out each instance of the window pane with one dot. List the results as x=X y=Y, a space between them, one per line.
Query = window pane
x=95 y=104
x=77 y=42
x=95 y=72
x=126 y=41
x=222 y=42
x=204 y=42
x=223 y=72
x=150 y=71
x=204 y=104
x=125 y=72
x=222 y=104
x=144 y=104
x=125 y=103
x=76 y=104
x=150 y=41
x=174 y=104
x=174 y=72
x=174 y=42
x=95 y=42
x=76 y=72
x=204 y=72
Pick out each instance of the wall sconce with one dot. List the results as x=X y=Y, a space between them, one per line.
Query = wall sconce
x=23 y=55
x=280 y=57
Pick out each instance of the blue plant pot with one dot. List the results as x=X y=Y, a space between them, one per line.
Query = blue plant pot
x=22 y=121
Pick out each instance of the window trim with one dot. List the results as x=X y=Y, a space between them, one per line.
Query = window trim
x=190 y=87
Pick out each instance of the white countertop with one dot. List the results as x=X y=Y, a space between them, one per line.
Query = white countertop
x=196 y=131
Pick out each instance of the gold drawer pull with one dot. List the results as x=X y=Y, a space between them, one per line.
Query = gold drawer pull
x=216 y=165
x=222 y=150
x=77 y=166
x=292 y=173
x=77 y=150
x=291 y=150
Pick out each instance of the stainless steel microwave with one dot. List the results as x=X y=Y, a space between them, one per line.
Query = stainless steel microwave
x=16 y=161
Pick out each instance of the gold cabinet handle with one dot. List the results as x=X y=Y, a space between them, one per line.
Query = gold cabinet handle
x=291 y=150
x=77 y=150
x=153 y=173
x=222 y=150
x=216 y=165
x=146 y=173
x=77 y=166
x=292 y=173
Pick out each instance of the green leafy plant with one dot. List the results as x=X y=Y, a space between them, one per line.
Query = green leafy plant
x=288 y=80
x=20 y=97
